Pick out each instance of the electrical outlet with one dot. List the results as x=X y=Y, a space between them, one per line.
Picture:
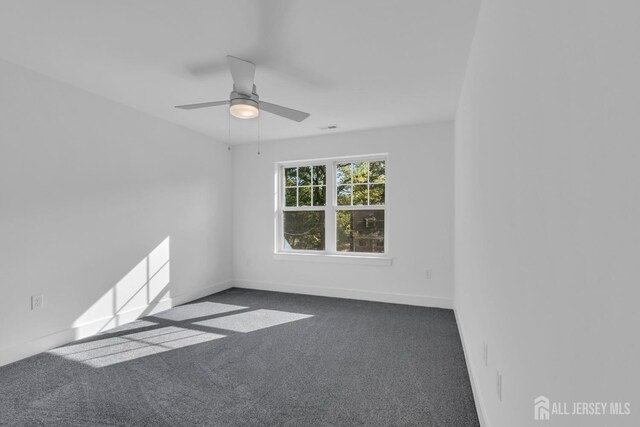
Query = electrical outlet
x=499 y=385
x=427 y=274
x=37 y=301
x=485 y=354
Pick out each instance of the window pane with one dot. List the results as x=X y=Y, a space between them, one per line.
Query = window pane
x=291 y=197
x=360 y=194
x=376 y=194
x=319 y=196
x=344 y=195
x=304 y=230
x=360 y=172
x=291 y=177
x=343 y=173
x=319 y=175
x=304 y=175
x=376 y=171
x=360 y=231
x=304 y=196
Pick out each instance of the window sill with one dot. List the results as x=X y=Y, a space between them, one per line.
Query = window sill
x=331 y=258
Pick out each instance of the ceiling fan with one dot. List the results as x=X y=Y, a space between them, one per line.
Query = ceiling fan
x=244 y=102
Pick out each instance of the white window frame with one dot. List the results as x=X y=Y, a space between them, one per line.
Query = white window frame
x=330 y=209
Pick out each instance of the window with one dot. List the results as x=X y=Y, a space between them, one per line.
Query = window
x=360 y=192
x=303 y=224
x=335 y=206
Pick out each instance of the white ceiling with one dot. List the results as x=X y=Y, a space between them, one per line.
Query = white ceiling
x=356 y=63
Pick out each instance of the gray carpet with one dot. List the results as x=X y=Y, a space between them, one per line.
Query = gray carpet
x=252 y=358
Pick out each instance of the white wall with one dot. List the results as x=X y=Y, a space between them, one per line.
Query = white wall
x=420 y=202
x=89 y=192
x=548 y=207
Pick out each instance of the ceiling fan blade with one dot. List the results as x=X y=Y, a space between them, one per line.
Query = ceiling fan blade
x=243 y=74
x=287 y=113
x=202 y=105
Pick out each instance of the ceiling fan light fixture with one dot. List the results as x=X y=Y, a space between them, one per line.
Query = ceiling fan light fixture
x=244 y=109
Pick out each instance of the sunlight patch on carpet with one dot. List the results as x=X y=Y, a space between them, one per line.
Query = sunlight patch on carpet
x=253 y=320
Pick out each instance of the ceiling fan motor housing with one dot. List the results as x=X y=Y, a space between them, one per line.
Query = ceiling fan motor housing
x=243 y=98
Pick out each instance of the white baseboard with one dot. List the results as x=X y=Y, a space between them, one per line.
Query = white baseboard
x=200 y=292
x=407 y=299
x=22 y=350
x=472 y=377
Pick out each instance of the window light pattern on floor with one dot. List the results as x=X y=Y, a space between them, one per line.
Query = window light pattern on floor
x=253 y=320
x=178 y=327
x=123 y=348
x=200 y=309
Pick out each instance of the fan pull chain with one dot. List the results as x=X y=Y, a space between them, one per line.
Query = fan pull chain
x=258 y=135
